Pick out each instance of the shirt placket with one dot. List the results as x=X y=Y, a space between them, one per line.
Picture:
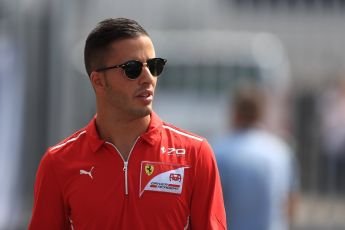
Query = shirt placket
x=125 y=162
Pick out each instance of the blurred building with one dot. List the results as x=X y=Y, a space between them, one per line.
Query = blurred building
x=290 y=46
x=11 y=124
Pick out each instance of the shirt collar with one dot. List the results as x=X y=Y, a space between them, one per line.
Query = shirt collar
x=153 y=132
x=91 y=131
x=151 y=136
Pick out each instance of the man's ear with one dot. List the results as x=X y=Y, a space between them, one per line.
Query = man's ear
x=97 y=80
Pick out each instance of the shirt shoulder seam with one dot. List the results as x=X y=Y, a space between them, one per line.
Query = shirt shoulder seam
x=71 y=139
x=182 y=133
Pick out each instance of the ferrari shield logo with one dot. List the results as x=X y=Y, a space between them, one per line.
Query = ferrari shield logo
x=149 y=169
x=161 y=177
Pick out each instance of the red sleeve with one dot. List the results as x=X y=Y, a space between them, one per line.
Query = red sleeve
x=48 y=210
x=207 y=207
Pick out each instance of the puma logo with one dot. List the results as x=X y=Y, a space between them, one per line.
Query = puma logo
x=87 y=172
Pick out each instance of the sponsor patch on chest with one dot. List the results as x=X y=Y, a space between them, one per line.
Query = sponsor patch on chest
x=161 y=177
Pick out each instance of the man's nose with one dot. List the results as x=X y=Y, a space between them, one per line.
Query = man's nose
x=145 y=75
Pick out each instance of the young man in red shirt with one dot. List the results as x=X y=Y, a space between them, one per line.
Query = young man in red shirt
x=127 y=169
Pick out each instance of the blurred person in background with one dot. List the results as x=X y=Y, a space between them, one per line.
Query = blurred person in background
x=332 y=116
x=127 y=169
x=257 y=169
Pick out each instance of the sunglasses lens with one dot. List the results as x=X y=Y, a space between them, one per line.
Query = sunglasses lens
x=156 y=66
x=133 y=69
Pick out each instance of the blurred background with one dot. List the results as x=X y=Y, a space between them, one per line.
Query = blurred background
x=294 y=48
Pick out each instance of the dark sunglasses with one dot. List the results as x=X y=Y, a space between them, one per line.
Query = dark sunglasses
x=133 y=68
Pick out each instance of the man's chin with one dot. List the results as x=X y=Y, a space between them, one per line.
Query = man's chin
x=141 y=113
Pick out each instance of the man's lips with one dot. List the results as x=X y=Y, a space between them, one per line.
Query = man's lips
x=144 y=94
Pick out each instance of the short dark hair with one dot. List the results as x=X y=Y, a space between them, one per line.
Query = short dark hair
x=248 y=105
x=105 y=33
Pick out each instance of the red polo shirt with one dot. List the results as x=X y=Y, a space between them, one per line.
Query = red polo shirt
x=169 y=181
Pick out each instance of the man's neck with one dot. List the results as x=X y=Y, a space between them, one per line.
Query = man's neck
x=121 y=132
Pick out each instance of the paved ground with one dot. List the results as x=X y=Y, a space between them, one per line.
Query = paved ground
x=320 y=213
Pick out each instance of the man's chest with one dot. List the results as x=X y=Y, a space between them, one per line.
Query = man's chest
x=154 y=181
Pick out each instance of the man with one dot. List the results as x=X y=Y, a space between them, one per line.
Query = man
x=257 y=169
x=127 y=169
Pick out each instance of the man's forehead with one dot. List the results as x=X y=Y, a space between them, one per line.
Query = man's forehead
x=131 y=47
